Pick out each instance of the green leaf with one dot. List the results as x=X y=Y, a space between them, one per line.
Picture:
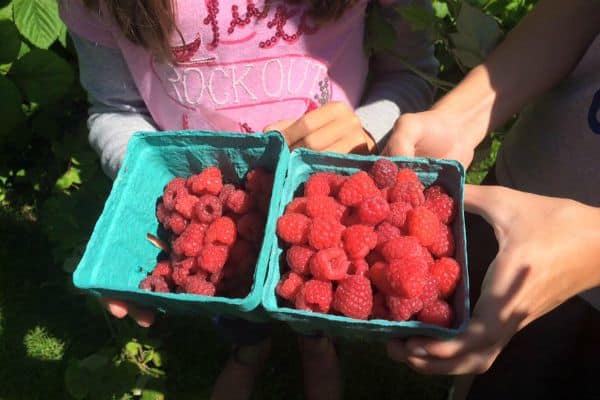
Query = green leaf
x=68 y=179
x=482 y=28
x=76 y=381
x=95 y=362
x=132 y=349
x=38 y=21
x=157 y=359
x=381 y=35
x=149 y=394
x=418 y=17
x=11 y=113
x=10 y=42
x=6 y=10
x=148 y=355
x=43 y=76
x=62 y=35
x=440 y=9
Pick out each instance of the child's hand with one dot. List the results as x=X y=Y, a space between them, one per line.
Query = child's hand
x=332 y=127
x=430 y=134
x=121 y=309
x=548 y=252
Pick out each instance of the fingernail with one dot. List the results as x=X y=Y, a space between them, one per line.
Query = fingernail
x=419 y=352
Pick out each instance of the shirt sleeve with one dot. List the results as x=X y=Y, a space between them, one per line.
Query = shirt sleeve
x=395 y=89
x=117 y=109
x=86 y=23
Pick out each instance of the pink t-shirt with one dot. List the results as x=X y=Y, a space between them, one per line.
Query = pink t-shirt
x=244 y=64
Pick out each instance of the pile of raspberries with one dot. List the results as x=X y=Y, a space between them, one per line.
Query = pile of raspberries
x=373 y=245
x=214 y=232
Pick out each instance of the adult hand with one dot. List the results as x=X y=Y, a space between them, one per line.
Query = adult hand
x=548 y=252
x=332 y=127
x=120 y=309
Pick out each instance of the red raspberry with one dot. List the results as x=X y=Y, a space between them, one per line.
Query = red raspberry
x=430 y=291
x=359 y=267
x=441 y=205
x=357 y=188
x=162 y=214
x=170 y=194
x=293 y=228
x=378 y=276
x=354 y=297
x=199 y=285
x=209 y=181
x=434 y=191
x=386 y=232
x=336 y=182
x=436 y=313
x=188 y=264
x=402 y=247
x=297 y=258
x=384 y=173
x=212 y=258
x=259 y=180
x=446 y=272
x=297 y=205
x=319 y=206
x=251 y=227
x=317 y=185
x=217 y=277
x=163 y=268
x=402 y=309
x=385 y=193
x=380 y=308
x=180 y=276
x=239 y=202
x=373 y=210
x=221 y=231
x=443 y=243
x=359 y=240
x=329 y=264
x=408 y=192
x=289 y=285
x=423 y=224
x=155 y=284
x=189 y=243
x=184 y=204
x=242 y=256
x=208 y=208
x=408 y=276
x=315 y=296
x=408 y=175
x=225 y=192
x=177 y=223
x=398 y=212
x=325 y=233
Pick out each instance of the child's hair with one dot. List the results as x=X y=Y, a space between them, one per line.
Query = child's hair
x=150 y=23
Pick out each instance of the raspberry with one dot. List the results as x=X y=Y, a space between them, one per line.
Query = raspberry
x=329 y=264
x=397 y=215
x=359 y=240
x=358 y=187
x=162 y=268
x=385 y=193
x=239 y=202
x=402 y=247
x=430 y=291
x=297 y=205
x=162 y=214
x=315 y=296
x=359 y=267
x=319 y=206
x=354 y=297
x=251 y=227
x=289 y=285
x=189 y=243
x=408 y=192
x=293 y=228
x=441 y=205
x=402 y=309
x=434 y=191
x=188 y=264
x=380 y=308
x=209 y=181
x=297 y=258
x=436 y=313
x=408 y=276
x=386 y=232
x=379 y=278
x=184 y=204
x=259 y=180
x=154 y=284
x=170 y=194
x=212 y=258
x=443 y=243
x=216 y=277
x=177 y=223
x=225 y=192
x=446 y=273
x=336 y=182
x=373 y=210
x=423 y=224
x=408 y=175
x=208 y=208
x=221 y=231
x=199 y=285
x=384 y=173
x=180 y=276
x=325 y=233
x=242 y=256
x=317 y=185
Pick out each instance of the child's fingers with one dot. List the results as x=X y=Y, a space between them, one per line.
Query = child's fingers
x=279 y=125
x=309 y=123
x=117 y=308
x=143 y=317
x=323 y=137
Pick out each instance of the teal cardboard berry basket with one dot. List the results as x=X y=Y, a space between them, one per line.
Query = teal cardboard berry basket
x=302 y=163
x=118 y=255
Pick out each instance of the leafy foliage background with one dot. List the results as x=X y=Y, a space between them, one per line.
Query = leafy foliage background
x=57 y=343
